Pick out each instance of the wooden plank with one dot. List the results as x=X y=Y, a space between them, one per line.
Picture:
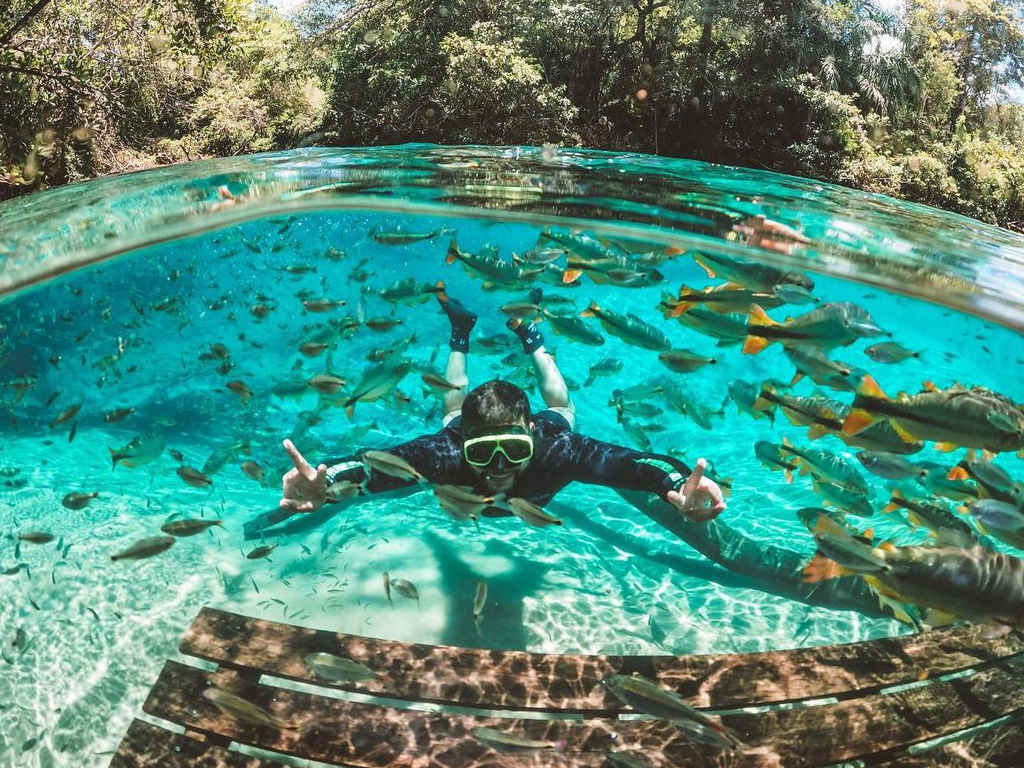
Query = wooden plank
x=563 y=683
x=146 y=745
x=371 y=736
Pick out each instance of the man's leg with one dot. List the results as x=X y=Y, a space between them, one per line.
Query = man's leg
x=552 y=385
x=462 y=321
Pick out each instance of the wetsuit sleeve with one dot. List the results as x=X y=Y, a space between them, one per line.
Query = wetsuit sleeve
x=601 y=463
x=433 y=456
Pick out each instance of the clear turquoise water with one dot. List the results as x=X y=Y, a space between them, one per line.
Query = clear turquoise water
x=591 y=586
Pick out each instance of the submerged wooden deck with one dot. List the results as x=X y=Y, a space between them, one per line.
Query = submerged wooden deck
x=882 y=703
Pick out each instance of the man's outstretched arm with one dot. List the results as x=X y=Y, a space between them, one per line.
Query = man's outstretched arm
x=595 y=461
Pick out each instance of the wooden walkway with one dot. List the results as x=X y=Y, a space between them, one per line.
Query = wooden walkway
x=882 y=702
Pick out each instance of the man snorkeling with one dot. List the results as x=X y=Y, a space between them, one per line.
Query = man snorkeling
x=492 y=443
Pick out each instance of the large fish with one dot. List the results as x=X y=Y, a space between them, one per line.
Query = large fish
x=572 y=327
x=377 y=382
x=993 y=481
x=137 y=451
x=947 y=529
x=830 y=467
x=828 y=326
x=494 y=270
x=749 y=274
x=408 y=291
x=728 y=328
x=975 y=418
x=720 y=298
x=630 y=328
x=405 y=238
x=821 y=370
x=975 y=584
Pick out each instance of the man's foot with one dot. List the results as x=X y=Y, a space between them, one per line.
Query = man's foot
x=528 y=334
x=462 y=321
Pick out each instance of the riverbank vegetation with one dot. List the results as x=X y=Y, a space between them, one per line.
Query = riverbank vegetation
x=916 y=102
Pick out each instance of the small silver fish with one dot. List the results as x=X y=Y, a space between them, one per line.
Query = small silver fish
x=507 y=742
x=339 y=669
x=145 y=548
x=389 y=464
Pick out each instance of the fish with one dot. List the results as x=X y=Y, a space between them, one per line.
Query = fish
x=381 y=354
x=790 y=293
x=770 y=455
x=254 y=470
x=851 y=502
x=572 y=327
x=827 y=466
x=244 y=711
x=376 y=382
x=340 y=669
x=889 y=352
x=261 y=552
x=976 y=584
x=889 y=465
x=636 y=433
x=828 y=326
x=406 y=588
x=391 y=465
x=495 y=271
x=503 y=741
x=630 y=328
x=36 y=537
x=993 y=482
x=820 y=414
x=819 y=368
x=14 y=569
x=973 y=418
x=1002 y=520
x=438 y=382
x=729 y=328
x=936 y=480
x=745 y=394
x=194 y=477
x=683 y=360
x=722 y=299
x=539 y=256
x=409 y=292
x=947 y=529
x=646 y=696
x=399 y=237
x=76 y=500
x=323 y=304
x=607 y=366
x=241 y=389
x=138 y=451
x=524 y=310
x=382 y=324
x=749 y=274
x=66 y=415
x=497 y=343
x=626 y=759
x=118 y=414
x=809 y=517
x=693 y=409
x=460 y=502
x=181 y=528
x=343 y=489
x=529 y=512
x=479 y=601
x=221 y=456
x=145 y=548
x=326 y=383
x=387 y=586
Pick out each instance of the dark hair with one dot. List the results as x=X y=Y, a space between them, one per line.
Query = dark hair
x=493 y=404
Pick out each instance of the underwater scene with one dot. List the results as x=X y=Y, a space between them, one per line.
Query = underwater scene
x=147 y=387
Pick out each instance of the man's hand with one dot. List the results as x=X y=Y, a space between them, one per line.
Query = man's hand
x=303 y=489
x=701 y=498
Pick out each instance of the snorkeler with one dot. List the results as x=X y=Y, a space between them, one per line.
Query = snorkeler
x=493 y=443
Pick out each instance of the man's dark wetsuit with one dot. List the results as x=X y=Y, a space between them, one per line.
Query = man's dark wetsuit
x=560 y=456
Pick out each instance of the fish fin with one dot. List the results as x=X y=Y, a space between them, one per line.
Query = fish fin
x=804 y=469
x=900 y=430
x=816 y=431
x=453 y=252
x=571 y=275
x=857 y=421
x=970 y=455
x=113 y=458
x=673 y=250
x=758 y=317
x=754 y=344
x=680 y=308
x=869 y=534
x=787 y=442
x=944 y=447
x=869 y=387
x=789 y=475
x=957 y=473
x=929 y=386
x=796 y=377
x=914 y=518
x=705 y=267
x=726 y=487
x=890 y=507
x=821 y=569
x=987 y=455
x=591 y=311
x=350 y=411
x=888 y=546
x=898 y=611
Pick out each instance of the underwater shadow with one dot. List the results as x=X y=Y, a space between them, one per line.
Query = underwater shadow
x=501 y=625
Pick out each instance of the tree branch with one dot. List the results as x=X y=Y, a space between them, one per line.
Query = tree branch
x=6 y=37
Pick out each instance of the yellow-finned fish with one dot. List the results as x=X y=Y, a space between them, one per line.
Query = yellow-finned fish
x=975 y=584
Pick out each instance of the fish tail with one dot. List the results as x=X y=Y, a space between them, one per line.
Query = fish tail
x=591 y=311
x=453 y=252
x=857 y=421
x=113 y=458
x=957 y=473
x=759 y=318
x=571 y=276
x=821 y=569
